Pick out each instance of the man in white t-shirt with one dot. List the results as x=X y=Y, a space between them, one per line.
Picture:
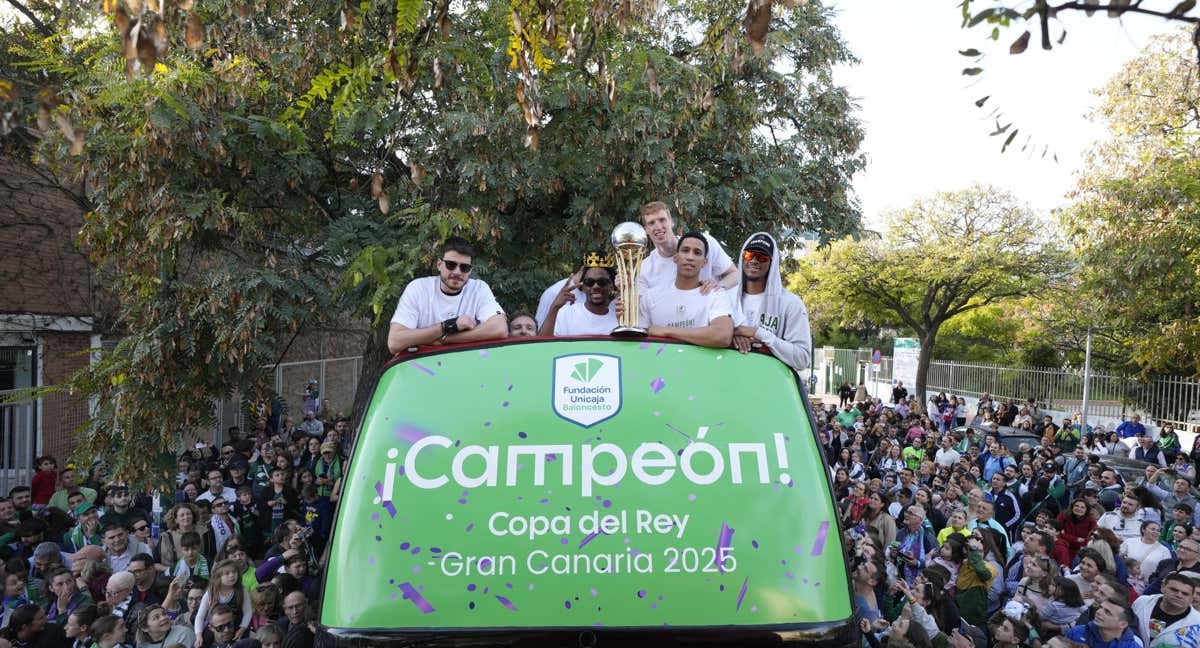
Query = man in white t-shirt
x=592 y=315
x=681 y=309
x=658 y=269
x=447 y=308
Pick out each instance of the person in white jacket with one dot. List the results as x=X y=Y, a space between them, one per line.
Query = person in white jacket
x=1168 y=619
x=769 y=315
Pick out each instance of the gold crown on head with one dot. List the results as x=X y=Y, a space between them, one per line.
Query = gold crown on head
x=597 y=260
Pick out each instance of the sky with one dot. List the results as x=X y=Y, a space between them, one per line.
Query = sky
x=923 y=131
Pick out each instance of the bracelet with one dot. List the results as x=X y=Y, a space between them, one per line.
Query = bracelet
x=450 y=326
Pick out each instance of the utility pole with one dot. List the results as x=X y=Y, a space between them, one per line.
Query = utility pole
x=1087 y=378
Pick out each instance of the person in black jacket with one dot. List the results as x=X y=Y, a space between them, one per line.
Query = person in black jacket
x=1007 y=509
x=277 y=502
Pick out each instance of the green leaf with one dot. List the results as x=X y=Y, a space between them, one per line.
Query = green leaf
x=972 y=71
x=970 y=52
x=982 y=100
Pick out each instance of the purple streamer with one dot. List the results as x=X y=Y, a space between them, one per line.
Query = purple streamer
x=410 y=433
x=387 y=506
x=507 y=603
x=723 y=540
x=742 y=594
x=413 y=595
x=422 y=368
x=819 y=543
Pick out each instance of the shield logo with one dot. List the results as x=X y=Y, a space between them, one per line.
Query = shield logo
x=587 y=388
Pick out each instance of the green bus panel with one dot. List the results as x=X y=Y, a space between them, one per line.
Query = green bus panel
x=581 y=484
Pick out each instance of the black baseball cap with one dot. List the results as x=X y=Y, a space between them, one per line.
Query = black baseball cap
x=761 y=242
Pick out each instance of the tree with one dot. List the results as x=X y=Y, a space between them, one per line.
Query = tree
x=256 y=170
x=1135 y=225
x=1044 y=18
x=940 y=259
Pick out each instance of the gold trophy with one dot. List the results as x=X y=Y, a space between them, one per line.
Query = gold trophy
x=630 y=240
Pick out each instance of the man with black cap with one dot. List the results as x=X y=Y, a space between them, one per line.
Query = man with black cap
x=121 y=509
x=770 y=315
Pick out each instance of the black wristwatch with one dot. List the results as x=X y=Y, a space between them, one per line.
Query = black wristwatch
x=450 y=326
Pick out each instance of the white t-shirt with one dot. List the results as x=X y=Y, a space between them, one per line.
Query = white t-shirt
x=1148 y=555
x=547 y=298
x=424 y=304
x=576 y=319
x=658 y=270
x=670 y=306
x=752 y=306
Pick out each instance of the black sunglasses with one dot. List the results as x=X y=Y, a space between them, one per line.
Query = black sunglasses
x=223 y=627
x=141 y=528
x=603 y=283
x=455 y=265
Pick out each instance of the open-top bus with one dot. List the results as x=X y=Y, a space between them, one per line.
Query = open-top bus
x=586 y=491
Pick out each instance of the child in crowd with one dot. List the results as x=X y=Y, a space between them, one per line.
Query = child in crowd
x=45 y=480
x=191 y=563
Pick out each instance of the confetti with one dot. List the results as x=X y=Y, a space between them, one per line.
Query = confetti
x=723 y=540
x=415 y=597
x=588 y=538
x=819 y=543
x=423 y=368
x=657 y=384
x=742 y=594
x=506 y=603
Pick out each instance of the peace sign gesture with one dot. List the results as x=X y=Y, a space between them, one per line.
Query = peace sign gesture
x=567 y=294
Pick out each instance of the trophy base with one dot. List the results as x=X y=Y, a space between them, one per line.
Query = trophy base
x=629 y=331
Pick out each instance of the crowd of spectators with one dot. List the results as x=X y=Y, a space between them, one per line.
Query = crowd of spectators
x=227 y=553
x=956 y=539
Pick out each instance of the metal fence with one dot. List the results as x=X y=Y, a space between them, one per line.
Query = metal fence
x=18 y=442
x=1161 y=398
x=337 y=382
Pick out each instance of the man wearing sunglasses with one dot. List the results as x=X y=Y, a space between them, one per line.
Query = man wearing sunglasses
x=770 y=315
x=594 y=315
x=447 y=308
x=221 y=628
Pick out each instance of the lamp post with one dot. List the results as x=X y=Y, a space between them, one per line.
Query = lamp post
x=1087 y=378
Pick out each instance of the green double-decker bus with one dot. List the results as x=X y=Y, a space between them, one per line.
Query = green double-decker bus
x=586 y=491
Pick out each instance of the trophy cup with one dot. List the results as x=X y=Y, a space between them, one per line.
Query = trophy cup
x=630 y=240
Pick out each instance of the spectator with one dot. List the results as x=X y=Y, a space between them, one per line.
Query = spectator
x=180 y=519
x=42 y=487
x=1146 y=450
x=1131 y=428
x=67 y=485
x=66 y=596
x=1167 y=613
x=225 y=590
x=1113 y=627
x=156 y=630
x=1145 y=550
x=1125 y=522
x=221 y=628
x=119 y=548
x=78 y=624
x=914 y=544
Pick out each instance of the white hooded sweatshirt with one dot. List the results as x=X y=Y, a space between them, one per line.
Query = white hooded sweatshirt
x=781 y=318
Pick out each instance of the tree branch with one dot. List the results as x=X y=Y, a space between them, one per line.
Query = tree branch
x=37 y=22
